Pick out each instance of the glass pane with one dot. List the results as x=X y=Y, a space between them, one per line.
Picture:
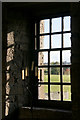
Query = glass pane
x=44 y=42
x=66 y=74
x=43 y=74
x=55 y=92
x=44 y=26
x=66 y=23
x=67 y=40
x=43 y=58
x=54 y=74
x=66 y=93
x=56 y=24
x=66 y=55
x=55 y=58
x=43 y=92
x=56 y=41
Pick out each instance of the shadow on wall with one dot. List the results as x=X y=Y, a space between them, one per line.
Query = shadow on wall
x=12 y=116
x=15 y=90
x=13 y=63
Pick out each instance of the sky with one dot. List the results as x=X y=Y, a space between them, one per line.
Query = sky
x=56 y=39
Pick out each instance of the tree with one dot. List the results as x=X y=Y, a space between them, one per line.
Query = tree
x=45 y=71
x=66 y=71
x=55 y=70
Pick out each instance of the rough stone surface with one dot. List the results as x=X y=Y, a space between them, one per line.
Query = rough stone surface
x=18 y=46
x=75 y=61
x=0 y=62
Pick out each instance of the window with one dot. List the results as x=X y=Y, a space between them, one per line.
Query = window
x=53 y=46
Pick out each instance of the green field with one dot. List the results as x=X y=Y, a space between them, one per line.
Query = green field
x=57 y=88
x=56 y=78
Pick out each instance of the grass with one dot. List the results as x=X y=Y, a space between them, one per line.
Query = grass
x=56 y=78
x=57 y=88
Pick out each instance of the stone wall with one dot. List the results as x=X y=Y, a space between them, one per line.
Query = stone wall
x=20 y=30
x=0 y=61
x=18 y=58
x=76 y=61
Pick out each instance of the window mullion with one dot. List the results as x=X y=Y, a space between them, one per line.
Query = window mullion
x=61 y=64
x=61 y=75
x=50 y=31
x=49 y=62
x=48 y=75
x=62 y=33
x=62 y=49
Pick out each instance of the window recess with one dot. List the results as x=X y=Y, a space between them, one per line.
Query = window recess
x=53 y=38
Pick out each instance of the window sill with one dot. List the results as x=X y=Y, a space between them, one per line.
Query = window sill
x=65 y=105
x=45 y=113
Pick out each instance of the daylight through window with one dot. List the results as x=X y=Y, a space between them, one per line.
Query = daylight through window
x=53 y=46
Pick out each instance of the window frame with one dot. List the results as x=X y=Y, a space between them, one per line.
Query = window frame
x=50 y=102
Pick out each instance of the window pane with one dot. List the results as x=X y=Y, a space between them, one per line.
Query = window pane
x=43 y=92
x=43 y=74
x=56 y=41
x=44 y=26
x=66 y=74
x=55 y=92
x=55 y=58
x=56 y=24
x=43 y=58
x=54 y=74
x=67 y=40
x=44 y=42
x=66 y=93
x=66 y=55
x=66 y=23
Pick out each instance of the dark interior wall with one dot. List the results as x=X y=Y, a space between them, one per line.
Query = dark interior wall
x=18 y=22
x=3 y=58
x=1 y=62
x=45 y=11
x=21 y=22
x=75 y=8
